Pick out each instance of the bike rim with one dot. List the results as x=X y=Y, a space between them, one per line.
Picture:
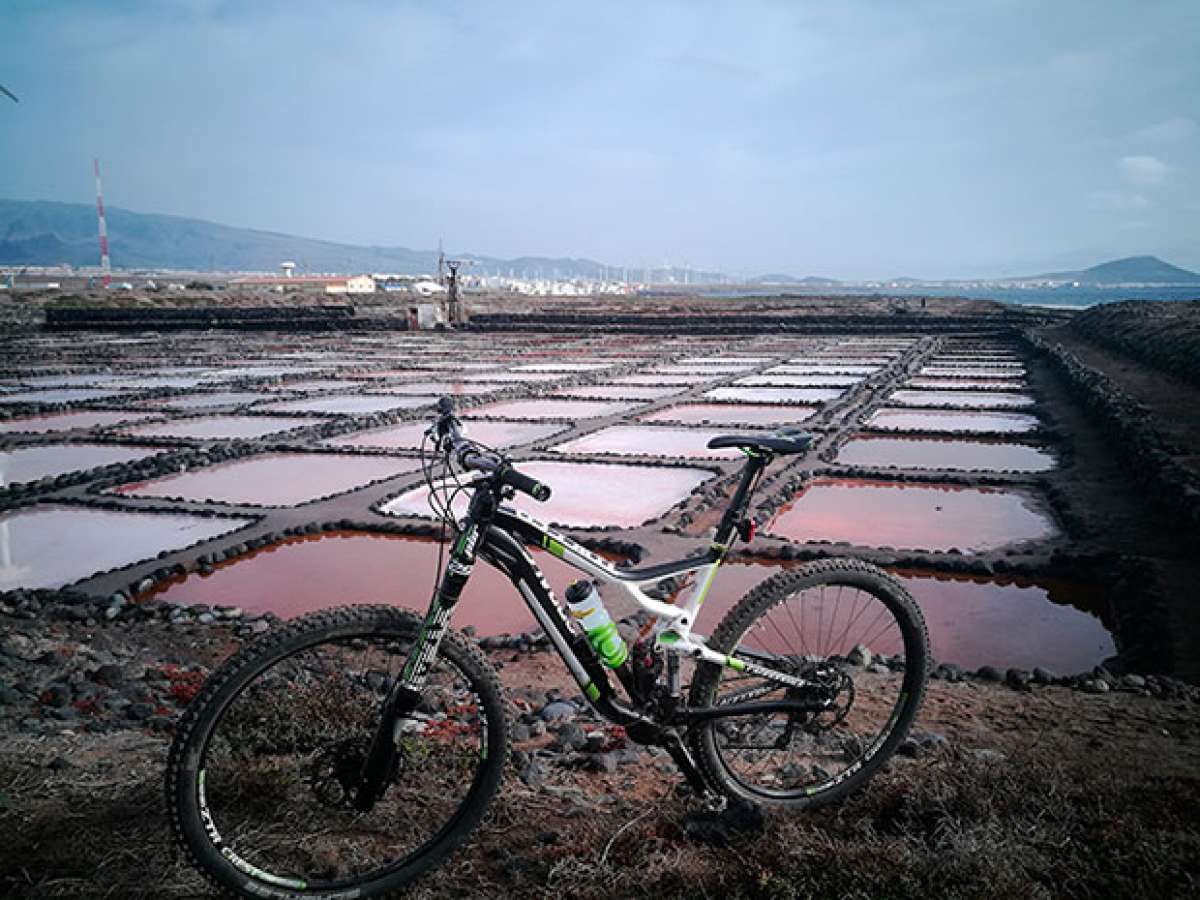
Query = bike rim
x=848 y=641
x=267 y=786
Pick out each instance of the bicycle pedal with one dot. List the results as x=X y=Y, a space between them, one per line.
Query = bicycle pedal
x=739 y=819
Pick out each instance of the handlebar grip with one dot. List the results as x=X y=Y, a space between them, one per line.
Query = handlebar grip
x=525 y=484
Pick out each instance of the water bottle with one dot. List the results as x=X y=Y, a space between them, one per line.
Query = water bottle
x=585 y=606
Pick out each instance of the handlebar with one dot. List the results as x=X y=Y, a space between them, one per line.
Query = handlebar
x=472 y=456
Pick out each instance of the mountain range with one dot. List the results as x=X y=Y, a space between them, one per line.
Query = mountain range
x=46 y=233
x=1130 y=270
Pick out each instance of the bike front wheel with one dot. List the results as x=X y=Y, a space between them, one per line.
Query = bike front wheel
x=858 y=641
x=261 y=775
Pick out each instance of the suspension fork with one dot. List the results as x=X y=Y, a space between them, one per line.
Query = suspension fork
x=405 y=692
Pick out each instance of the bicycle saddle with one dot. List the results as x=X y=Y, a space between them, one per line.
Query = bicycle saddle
x=782 y=442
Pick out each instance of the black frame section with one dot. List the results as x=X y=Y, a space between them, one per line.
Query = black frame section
x=502 y=550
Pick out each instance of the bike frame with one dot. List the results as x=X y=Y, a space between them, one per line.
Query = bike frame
x=499 y=534
x=674 y=629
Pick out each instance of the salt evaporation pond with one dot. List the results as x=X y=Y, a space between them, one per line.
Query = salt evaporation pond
x=910 y=517
x=225 y=398
x=650 y=380
x=1000 y=384
x=303 y=574
x=634 y=440
x=734 y=414
x=62 y=395
x=68 y=421
x=496 y=434
x=981 y=399
x=587 y=494
x=550 y=409
x=937 y=453
x=1001 y=622
x=952 y=421
x=440 y=388
x=220 y=427
x=350 y=404
x=53 y=546
x=22 y=464
x=773 y=395
x=618 y=392
x=799 y=380
x=273 y=479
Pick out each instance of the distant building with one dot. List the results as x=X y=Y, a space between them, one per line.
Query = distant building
x=428 y=288
x=329 y=284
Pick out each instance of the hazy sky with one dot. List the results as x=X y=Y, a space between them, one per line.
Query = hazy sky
x=835 y=138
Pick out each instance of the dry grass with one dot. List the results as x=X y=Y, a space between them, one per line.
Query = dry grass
x=952 y=824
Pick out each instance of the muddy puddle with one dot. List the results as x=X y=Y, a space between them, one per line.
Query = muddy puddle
x=952 y=421
x=774 y=395
x=273 y=479
x=732 y=414
x=1000 y=622
x=70 y=420
x=550 y=409
x=24 y=464
x=633 y=440
x=220 y=428
x=52 y=546
x=314 y=572
x=906 y=516
x=935 y=453
x=587 y=494
x=409 y=437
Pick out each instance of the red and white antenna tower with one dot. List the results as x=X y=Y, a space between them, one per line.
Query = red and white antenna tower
x=105 y=266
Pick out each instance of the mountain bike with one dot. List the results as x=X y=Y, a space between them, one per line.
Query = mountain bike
x=345 y=753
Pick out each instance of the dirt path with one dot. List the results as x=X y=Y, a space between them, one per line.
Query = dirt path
x=1174 y=404
x=1112 y=504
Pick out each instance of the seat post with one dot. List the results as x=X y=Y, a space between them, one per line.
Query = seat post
x=755 y=462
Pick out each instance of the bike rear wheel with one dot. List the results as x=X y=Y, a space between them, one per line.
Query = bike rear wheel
x=855 y=635
x=261 y=772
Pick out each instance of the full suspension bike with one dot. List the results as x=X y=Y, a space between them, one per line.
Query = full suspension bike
x=345 y=753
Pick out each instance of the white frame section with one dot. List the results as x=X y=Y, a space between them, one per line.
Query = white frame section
x=674 y=629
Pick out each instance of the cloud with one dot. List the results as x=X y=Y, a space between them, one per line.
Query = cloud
x=1145 y=171
x=1178 y=128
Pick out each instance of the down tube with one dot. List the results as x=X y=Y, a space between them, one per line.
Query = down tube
x=503 y=552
